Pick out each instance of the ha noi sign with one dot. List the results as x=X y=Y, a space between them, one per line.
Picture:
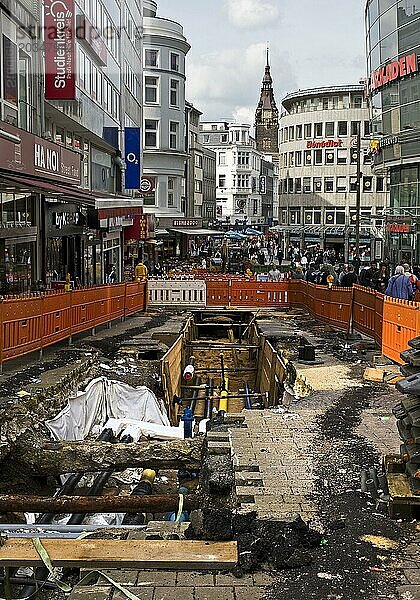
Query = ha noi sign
x=393 y=71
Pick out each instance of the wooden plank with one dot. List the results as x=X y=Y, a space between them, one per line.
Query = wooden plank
x=399 y=487
x=133 y=554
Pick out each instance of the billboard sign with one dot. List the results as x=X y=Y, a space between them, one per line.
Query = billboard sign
x=59 y=24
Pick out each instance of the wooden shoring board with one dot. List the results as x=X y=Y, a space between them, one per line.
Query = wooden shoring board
x=133 y=554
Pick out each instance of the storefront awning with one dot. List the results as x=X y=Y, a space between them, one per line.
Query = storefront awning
x=197 y=232
x=52 y=189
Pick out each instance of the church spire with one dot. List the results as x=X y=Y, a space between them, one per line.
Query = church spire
x=267 y=114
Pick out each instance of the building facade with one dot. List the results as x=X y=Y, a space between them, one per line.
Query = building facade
x=318 y=172
x=238 y=172
x=165 y=152
x=393 y=49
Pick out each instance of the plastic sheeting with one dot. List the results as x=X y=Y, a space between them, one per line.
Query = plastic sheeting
x=137 y=429
x=104 y=399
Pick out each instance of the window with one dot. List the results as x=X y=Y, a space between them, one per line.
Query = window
x=243 y=181
x=151 y=58
x=328 y=184
x=198 y=160
x=318 y=130
x=243 y=159
x=353 y=156
x=151 y=90
x=174 y=62
x=294 y=216
x=174 y=93
x=341 y=184
x=150 y=198
x=10 y=72
x=366 y=128
x=198 y=186
x=222 y=158
x=324 y=103
x=291 y=159
x=222 y=181
x=367 y=157
x=306 y=185
x=298 y=158
x=150 y=133
x=354 y=128
x=173 y=135
x=298 y=185
x=317 y=185
x=290 y=186
x=335 y=102
x=329 y=129
x=291 y=133
x=380 y=187
x=342 y=156
x=335 y=216
x=312 y=216
x=298 y=132
x=368 y=184
x=286 y=134
x=171 y=191
x=353 y=184
x=224 y=138
x=342 y=128
x=308 y=130
x=329 y=157
x=318 y=157
x=308 y=157
x=358 y=102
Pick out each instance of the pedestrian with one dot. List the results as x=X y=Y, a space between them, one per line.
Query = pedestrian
x=399 y=286
x=349 y=278
x=298 y=273
x=111 y=275
x=381 y=278
x=274 y=274
x=311 y=273
x=408 y=273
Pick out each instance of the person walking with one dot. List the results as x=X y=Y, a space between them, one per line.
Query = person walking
x=399 y=286
x=349 y=278
x=274 y=274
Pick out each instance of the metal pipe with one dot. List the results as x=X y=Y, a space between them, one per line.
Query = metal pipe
x=62 y=528
x=222 y=367
x=48 y=585
x=374 y=475
x=383 y=483
x=196 y=387
x=143 y=488
x=208 y=400
x=248 y=403
x=372 y=489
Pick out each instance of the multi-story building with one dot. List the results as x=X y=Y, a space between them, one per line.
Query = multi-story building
x=318 y=172
x=200 y=170
x=164 y=153
x=238 y=171
x=393 y=49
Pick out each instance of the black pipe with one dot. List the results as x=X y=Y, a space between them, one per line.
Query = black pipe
x=208 y=401
x=193 y=403
x=49 y=585
x=143 y=488
x=222 y=365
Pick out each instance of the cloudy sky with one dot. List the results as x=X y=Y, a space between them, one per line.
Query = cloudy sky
x=312 y=43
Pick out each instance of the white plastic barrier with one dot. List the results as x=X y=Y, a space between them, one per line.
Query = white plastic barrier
x=167 y=292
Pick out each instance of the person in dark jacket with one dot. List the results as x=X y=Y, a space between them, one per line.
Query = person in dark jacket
x=349 y=278
x=399 y=286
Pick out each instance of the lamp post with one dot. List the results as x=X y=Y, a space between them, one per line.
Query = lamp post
x=358 y=190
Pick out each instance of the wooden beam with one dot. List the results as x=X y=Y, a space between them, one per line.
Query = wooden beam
x=132 y=554
x=71 y=457
x=95 y=504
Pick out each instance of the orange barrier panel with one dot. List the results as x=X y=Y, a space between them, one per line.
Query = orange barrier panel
x=364 y=309
x=217 y=292
x=258 y=293
x=401 y=323
x=31 y=322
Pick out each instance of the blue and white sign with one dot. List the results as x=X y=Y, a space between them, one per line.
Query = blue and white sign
x=132 y=158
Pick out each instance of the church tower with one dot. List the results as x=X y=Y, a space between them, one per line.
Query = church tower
x=267 y=116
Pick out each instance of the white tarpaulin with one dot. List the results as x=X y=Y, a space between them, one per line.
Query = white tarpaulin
x=104 y=399
x=137 y=429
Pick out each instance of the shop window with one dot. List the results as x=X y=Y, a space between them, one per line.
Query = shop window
x=308 y=157
x=341 y=184
x=329 y=157
x=173 y=135
x=342 y=128
x=306 y=185
x=329 y=129
x=318 y=157
x=368 y=184
x=151 y=58
x=298 y=158
x=150 y=133
x=298 y=132
x=328 y=184
x=151 y=90
x=341 y=156
x=308 y=130
x=317 y=185
x=319 y=130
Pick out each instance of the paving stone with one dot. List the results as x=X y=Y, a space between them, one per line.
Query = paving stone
x=179 y=593
x=255 y=593
x=212 y=593
x=141 y=592
x=231 y=580
x=188 y=578
x=157 y=578
x=127 y=577
x=87 y=592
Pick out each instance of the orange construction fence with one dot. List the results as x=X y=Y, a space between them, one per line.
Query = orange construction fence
x=32 y=322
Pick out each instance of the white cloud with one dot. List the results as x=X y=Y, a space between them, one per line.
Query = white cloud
x=253 y=14
x=226 y=84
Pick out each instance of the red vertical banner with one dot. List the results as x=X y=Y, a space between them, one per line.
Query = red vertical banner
x=60 y=50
